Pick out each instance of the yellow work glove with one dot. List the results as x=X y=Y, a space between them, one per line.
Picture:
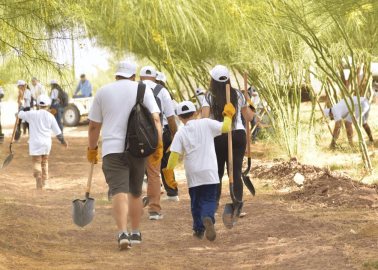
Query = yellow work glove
x=156 y=157
x=169 y=178
x=229 y=110
x=92 y=155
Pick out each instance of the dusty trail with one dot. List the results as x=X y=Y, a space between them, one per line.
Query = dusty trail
x=36 y=231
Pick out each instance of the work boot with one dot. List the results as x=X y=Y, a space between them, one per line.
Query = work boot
x=209 y=229
x=38 y=183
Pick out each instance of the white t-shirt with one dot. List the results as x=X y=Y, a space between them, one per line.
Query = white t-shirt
x=37 y=90
x=195 y=141
x=27 y=98
x=200 y=99
x=241 y=104
x=112 y=106
x=340 y=110
x=41 y=123
x=165 y=99
x=55 y=96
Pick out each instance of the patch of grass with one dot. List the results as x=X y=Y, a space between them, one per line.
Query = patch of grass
x=371 y=265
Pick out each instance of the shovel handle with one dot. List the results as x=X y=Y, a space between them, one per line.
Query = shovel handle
x=230 y=157
x=245 y=77
x=89 y=182
x=14 y=132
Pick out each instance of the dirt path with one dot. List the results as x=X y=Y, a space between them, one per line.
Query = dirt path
x=36 y=231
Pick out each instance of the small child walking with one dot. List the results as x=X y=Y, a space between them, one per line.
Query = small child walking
x=195 y=140
x=41 y=123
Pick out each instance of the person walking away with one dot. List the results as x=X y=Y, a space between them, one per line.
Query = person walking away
x=340 y=114
x=148 y=76
x=195 y=141
x=41 y=124
x=213 y=107
x=1 y=129
x=255 y=98
x=199 y=96
x=36 y=89
x=84 y=86
x=59 y=101
x=24 y=102
x=172 y=193
x=123 y=172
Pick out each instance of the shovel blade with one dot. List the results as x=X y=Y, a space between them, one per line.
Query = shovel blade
x=228 y=216
x=248 y=183
x=7 y=161
x=83 y=211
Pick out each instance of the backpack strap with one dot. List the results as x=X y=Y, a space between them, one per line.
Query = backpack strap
x=140 y=93
x=157 y=89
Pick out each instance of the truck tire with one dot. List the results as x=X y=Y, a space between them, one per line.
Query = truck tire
x=71 y=116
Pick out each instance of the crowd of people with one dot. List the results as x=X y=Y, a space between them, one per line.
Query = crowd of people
x=201 y=139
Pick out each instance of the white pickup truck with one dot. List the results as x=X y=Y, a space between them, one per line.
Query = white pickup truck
x=77 y=110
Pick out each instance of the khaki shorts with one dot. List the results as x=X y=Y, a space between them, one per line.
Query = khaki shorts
x=124 y=173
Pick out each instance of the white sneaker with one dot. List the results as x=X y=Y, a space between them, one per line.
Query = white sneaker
x=173 y=198
x=155 y=216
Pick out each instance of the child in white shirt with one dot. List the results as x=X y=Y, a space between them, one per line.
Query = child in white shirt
x=195 y=140
x=41 y=123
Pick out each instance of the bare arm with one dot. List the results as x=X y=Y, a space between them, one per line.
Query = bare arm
x=205 y=112
x=336 y=132
x=93 y=134
x=247 y=113
x=172 y=125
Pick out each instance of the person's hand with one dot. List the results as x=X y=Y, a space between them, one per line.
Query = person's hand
x=169 y=178
x=229 y=110
x=65 y=144
x=53 y=111
x=156 y=157
x=92 y=155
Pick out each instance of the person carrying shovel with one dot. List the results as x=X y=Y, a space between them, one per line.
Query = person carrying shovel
x=196 y=142
x=41 y=123
x=213 y=107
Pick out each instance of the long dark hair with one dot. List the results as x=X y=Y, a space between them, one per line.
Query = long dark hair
x=217 y=99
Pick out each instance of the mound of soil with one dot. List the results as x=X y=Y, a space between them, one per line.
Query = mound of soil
x=320 y=186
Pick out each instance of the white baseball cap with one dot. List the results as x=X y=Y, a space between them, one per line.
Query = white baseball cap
x=220 y=73
x=148 y=71
x=185 y=107
x=43 y=100
x=199 y=91
x=160 y=76
x=53 y=82
x=21 y=83
x=126 y=69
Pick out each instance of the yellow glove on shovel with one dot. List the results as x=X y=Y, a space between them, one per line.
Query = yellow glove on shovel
x=169 y=178
x=229 y=110
x=92 y=155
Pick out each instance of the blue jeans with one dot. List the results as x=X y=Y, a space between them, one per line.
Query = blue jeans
x=203 y=204
x=58 y=116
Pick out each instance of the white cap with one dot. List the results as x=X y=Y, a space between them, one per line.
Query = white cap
x=21 y=83
x=185 y=107
x=126 y=69
x=148 y=71
x=220 y=73
x=53 y=82
x=326 y=112
x=160 y=76
x=43 y=100
x=199 y=91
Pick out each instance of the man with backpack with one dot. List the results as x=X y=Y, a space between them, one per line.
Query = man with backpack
x=148 y=76
x=112 y=107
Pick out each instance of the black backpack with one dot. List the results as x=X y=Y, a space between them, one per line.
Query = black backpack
x=156 y=92
x=63 y=97
x=142 y=135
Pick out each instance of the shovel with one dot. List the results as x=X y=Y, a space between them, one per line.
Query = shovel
x=229 y=218
x=9 y=158
x=245 y=176
x=83 y=210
